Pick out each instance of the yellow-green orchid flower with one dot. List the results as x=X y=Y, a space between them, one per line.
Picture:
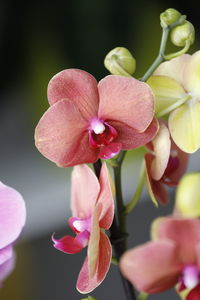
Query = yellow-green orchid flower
x=176 y=85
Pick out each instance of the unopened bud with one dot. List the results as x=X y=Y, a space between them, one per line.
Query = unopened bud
x=120 y=61
x=169 y=16
x=183 y=34
x=188 y=195
x=89 y=298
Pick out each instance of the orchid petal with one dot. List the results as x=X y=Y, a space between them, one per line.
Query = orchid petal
x=184 y=124
x=194 y=293
x=6 y=268
x=182 y=166
x=93 y=246
x=12 y=215
x=131 y=138
x=6 y=253
x=167 y=92
x=127 y=100
x=69 y=244
x=78 y=86
x=84 y=192
x=106 y=199
x=84 y=283
x=79 y=225
x=192 y=75
x=156 y=189
x=61 y=135
x=175 y=68
x=109 y=151
x=142 y=266
x=188 y=195
x=180 y=230
x=161 y=146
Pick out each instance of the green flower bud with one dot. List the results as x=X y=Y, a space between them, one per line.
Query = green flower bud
x=120 y=61
x=188 y=195
x=88 y=298
x=169 y=16
x=183 y=34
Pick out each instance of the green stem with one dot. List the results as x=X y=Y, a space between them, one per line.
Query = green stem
x=142 y=296
x=138 y=191
x=178 y=53
x=160 y=58
x=118 y=229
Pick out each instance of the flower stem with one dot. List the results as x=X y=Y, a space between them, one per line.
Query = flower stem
x=160 y=58
x=118 y=229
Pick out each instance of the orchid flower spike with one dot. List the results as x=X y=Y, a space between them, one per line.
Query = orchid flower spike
x=172 y=258
x=87 y=121
x=12 y=220
x=93 y=210
x=165 y=165
x=176 y=85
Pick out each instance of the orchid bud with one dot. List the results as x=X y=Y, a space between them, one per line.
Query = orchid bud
x=89 y=298
x=188 y=195
x=169 y=16
x=182 y=34
x=120 y=61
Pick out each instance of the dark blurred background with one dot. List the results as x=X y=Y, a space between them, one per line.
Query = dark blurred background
x=39 y=39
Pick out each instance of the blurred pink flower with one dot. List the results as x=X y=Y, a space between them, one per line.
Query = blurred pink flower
x=165 y=165
x=12 y=220
x=93 y=210
x=87 y=121
x=172 y=258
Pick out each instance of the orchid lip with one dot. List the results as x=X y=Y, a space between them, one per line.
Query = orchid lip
x=190 y=276
x=101 y=133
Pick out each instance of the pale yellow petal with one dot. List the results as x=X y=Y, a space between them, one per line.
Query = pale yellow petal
x=192 y=75
x=167 y=92
x=174 y=68
x=188 y=196
x=184 y=124
x=161 y=145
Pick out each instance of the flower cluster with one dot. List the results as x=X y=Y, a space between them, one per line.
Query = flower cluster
x=89 y=121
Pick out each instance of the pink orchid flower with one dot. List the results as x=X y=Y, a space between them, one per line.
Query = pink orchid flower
x=173 y=257
x=87 y=121
x=93 y=210
x=12 y=220
x=164 y=166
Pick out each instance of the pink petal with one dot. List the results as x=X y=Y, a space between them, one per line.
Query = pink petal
x=78 y=86
x=61 y=135
x=106 y=199
x=12 y=215
x=6 y=253
x=183 y=163
x=84 y=192
x=126 y=100
x=93 y=246
x=157 y=186
x=6 y=268
x=184 y=232
x=84 y=283
x=110 y=150
x=131 y=138
x=152 y=267
x=69 y=244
